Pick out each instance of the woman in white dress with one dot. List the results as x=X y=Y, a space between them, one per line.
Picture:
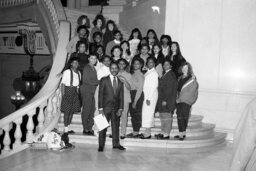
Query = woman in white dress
x=150 y=90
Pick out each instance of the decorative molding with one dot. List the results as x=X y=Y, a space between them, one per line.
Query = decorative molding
x=13 y=39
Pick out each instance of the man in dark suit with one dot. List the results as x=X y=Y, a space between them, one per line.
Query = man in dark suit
x=111 y=103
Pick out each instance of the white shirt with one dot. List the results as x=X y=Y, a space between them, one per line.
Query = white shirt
x=112 y=79
x=165 y=50
x=66 y=78
x=103 y=72
x=117 y=41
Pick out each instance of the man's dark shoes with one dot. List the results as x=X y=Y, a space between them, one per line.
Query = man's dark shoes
x=71 y=132
x=100 y=149
x=91 y=133
x=119 y=147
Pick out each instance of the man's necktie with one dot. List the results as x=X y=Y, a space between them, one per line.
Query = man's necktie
x=115 y=85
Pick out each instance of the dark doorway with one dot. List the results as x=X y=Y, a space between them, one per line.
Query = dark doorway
x=64 y=3
x=97 y=2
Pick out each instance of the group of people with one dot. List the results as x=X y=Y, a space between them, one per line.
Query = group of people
x=139 y=77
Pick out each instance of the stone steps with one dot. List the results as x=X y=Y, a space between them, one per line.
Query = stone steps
x=188 y=143
x=194 y=121
x=205 y=130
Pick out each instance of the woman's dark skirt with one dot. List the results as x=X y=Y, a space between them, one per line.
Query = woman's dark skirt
x=70 y=101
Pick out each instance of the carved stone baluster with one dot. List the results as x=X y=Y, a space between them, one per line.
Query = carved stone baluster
x=7 y=140
x=41 y=118
x=18 y=133
x=30 y=126
x=49 y=110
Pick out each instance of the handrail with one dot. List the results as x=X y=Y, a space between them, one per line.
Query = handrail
x=51 y=84
x=48 y=98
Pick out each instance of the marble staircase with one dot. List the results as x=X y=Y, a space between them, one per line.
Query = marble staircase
x=199 y=135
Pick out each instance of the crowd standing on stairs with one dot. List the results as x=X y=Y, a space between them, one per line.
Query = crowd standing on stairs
x=139 y=77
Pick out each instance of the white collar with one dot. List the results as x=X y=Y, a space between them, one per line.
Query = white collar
x=117 y=41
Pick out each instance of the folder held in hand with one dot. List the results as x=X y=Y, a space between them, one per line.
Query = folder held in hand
x=101 y=122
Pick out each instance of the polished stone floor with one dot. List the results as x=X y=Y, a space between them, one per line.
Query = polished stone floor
x=86 y=157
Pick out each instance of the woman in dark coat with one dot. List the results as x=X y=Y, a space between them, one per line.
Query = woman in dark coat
x=167 y=90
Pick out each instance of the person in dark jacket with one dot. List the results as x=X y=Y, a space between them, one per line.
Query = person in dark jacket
x=81 y=55
x=88 y=88
x=167 y=90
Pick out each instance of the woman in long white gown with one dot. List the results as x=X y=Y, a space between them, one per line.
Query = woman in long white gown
x=150 y=97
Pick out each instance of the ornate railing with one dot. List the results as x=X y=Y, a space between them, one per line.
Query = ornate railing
x=46 y=101
x=11 y=3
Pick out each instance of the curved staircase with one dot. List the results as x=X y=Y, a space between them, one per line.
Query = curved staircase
x=51 y=18
x=199 y=135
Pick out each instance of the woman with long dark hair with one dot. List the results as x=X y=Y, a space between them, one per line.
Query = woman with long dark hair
x=176 y=57
x=187 y=94
x=109 y=33
x=166 y=41
x=134 y=41
x=152 y=39
x=157 y=53
x=126 y=51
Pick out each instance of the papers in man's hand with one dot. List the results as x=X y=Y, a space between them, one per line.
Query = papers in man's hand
x=101 y=122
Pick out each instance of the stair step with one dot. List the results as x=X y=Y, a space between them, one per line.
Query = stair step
x=206 y=130
x=216 y=139
x=194 y=121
